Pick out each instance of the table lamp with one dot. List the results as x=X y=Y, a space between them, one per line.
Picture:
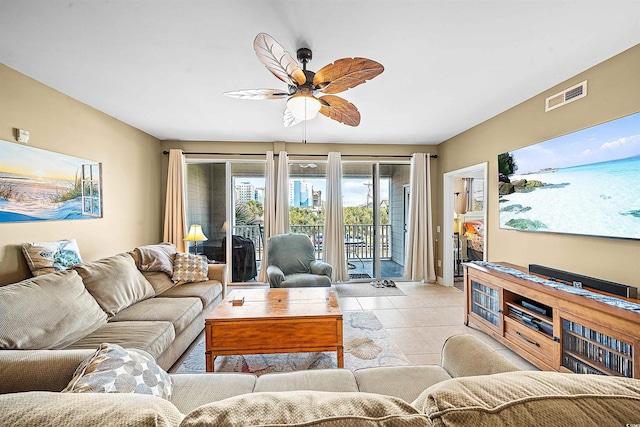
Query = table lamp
x=195 y=235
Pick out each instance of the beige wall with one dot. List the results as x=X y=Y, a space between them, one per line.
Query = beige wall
x=131 y=162
x=613 y=92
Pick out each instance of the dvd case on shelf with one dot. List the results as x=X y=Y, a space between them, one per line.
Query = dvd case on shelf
x=485 y=303
x=602 y=350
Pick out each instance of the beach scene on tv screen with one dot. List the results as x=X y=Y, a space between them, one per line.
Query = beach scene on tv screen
x=586 y=182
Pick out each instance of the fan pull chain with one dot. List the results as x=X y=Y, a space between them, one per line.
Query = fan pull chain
x=304 y=137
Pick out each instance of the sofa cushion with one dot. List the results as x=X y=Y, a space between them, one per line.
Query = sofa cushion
x=338 y=380
x=38 y=370
x=161 y=282
x=113 y=369
x=152 y=337
x=47 y=312
x=39 y=408
x=179 y=311
x=193 y=390
x=532 y=398
x=306 y=408
x=49 y=257
x=190 y=268
x=303 y=280
x=207 y=291
x=115 y=282
x=405 y=382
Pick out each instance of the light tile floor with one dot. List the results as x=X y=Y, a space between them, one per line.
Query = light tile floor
x=422 y=320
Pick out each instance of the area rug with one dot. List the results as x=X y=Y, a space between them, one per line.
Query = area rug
x=366 y=344
x=365 y=289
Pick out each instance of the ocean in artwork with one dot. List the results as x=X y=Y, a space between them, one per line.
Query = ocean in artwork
x=598 y=199
x=39 y=185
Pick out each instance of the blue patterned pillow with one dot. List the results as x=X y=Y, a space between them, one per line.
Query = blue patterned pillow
x=49 y=257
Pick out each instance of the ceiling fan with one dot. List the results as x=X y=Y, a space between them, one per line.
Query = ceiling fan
x=304 y=85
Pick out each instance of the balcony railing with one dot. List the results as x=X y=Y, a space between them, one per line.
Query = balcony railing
x=359 y=237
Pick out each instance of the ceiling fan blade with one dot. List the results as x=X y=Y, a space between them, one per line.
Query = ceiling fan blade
x=257 y=94
x=288 y=119
x=340 y=110
x=346 y=73
x=279 y=62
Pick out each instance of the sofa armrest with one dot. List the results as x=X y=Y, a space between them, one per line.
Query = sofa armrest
x=219 y=272
x=38 y=370
x=465 y=355
x=321 y=268
x=275 y=275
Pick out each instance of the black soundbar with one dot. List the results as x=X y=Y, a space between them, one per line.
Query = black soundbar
x=591 y=282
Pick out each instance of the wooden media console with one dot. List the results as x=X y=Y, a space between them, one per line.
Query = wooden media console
x=552 y=325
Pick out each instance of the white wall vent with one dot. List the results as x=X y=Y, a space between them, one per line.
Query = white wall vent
x=566 y=96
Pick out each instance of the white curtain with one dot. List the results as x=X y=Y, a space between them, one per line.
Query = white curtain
x=333 y=239
x=419 y=258
x=268 y=228
x=175 y=223
x=282 y=195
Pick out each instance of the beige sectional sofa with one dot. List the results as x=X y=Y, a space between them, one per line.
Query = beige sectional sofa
x=107 y=301
x=474 y=386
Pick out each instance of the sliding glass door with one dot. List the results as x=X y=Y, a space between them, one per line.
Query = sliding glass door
x=248 y=183
x=374 y=219
x=226 y=198
x=307 y=199
x=394 y=214
x=206 y=204
x=359 y=202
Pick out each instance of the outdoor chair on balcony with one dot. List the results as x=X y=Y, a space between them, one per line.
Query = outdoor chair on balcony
x=292 y=263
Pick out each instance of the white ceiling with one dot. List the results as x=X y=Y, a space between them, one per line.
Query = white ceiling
x=162 y=65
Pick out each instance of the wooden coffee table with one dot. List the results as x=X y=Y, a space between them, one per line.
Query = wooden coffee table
x=275 y=320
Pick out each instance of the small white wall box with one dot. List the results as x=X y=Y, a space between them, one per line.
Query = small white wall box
x=22 y=135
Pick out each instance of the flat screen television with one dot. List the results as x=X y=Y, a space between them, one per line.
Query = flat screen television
x=586 y=182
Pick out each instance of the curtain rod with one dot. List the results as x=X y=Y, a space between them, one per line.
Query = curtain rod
x=433 y=156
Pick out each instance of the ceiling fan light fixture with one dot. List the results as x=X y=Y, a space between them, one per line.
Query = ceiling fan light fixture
x=302 y=104
x=303 y=107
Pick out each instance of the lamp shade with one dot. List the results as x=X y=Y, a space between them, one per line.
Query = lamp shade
x=195 y=234
x=303 y=107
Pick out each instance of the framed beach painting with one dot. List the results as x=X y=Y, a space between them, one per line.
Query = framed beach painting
x=40 y=185
x=586 y=182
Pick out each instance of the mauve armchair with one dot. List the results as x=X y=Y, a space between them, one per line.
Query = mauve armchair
x=292 y=263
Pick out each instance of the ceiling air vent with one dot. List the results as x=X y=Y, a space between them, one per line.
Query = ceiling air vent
x=566 y=96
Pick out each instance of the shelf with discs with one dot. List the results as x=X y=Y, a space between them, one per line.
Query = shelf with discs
x=589 y=351
x=485 y=303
